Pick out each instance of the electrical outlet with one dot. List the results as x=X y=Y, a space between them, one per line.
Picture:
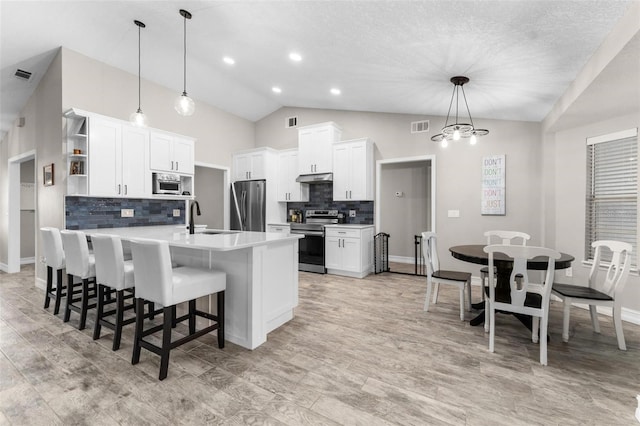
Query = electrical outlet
x=352 y=213
x=568 y=272
x=399 y=193
x=126 y=212
x=176 y=212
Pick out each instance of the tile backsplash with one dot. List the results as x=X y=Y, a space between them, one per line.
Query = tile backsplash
x=321 y=198
x=94 y=212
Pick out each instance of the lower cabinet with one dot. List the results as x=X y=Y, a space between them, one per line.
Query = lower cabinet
x=349 y=250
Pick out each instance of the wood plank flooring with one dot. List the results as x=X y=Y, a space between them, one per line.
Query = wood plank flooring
x=358 y=352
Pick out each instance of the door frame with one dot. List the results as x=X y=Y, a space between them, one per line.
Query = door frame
x=13 y=230
x=225 y=181
x=380 y=163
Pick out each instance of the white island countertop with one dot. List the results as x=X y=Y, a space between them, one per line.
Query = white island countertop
x=177 y=237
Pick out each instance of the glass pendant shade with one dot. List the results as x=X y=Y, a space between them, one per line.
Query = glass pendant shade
x=184 y=105
x=138 y=118
x=458 y=130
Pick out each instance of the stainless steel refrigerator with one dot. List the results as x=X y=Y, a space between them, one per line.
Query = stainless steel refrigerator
x=248 y=206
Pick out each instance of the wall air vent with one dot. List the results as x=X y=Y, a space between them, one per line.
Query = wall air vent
x=420 y=126
x=291 y=122
x=22 y=74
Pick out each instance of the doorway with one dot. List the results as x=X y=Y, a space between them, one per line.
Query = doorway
x=405 y=207
x=15 y=202
x=211 y=186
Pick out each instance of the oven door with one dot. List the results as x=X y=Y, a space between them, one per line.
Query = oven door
x=311 y=251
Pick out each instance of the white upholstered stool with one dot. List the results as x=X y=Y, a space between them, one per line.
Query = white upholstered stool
x=113 y=275
x=54 y=259
x=156 y=281
x=80 y=263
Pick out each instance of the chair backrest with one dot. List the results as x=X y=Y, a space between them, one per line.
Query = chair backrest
x=430 y=252
x=52 y=246
x=152 y=270
x=76 y=251
x=507 y=237
x=107 y=250
x=618 y=270
x=520 y=256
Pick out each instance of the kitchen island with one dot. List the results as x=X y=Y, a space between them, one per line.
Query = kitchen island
x=261 y=268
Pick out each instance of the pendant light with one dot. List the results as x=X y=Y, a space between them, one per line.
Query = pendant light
x=184 y=105
x=458 y=130
x=138 y=118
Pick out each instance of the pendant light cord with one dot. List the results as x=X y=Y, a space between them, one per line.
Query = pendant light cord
x=139 y=92
x=184 y=74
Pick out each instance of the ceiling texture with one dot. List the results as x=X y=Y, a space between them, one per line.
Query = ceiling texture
x=385 y=56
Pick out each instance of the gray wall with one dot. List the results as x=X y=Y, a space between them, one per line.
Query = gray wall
x=209 y=190
x=414 y=181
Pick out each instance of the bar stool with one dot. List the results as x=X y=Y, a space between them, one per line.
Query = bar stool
x=80 y=263
x=54 y=259
x=156 y=281
x=113 y=275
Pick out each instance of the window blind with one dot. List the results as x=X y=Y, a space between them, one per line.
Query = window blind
x=612 y=192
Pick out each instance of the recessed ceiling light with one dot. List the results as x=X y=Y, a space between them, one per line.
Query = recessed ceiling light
x=295 y=57
x=276 y=89
x=335 y=91
x=228 y=60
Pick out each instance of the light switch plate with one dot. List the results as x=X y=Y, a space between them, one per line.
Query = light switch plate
x=352 y=213
x=453 y=213
x=126 y=212
x=176 y=212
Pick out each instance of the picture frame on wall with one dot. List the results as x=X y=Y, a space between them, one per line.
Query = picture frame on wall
x=47 y=173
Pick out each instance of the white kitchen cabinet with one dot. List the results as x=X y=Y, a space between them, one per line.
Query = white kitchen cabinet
x=288 y=188
x=171 y=153
x=118 y=165
x=349 y=250
x=353 y=170
x=314 y=145
x=250 y=165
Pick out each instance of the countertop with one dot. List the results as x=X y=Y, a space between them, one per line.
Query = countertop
x=178 y=237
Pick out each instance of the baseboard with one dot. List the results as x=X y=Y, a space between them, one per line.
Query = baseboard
x=4 y=267
x=27 y=260
x=41 y=284
x=628 y=315
x=402 y=259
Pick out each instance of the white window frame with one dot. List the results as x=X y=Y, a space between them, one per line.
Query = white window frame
x=593 y=230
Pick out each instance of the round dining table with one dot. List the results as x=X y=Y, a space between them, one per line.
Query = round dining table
x=474 y=253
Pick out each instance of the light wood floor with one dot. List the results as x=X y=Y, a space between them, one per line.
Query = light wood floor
x=359 y=352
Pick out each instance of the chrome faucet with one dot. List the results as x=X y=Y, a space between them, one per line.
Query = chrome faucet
x=191 y=224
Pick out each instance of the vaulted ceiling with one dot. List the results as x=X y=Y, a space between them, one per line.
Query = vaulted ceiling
x=386 y=56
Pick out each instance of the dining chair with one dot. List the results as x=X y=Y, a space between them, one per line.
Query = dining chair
x=611 y=291
x=80 y=263
x=504 y=238
x=54 y=259
x=156 y=281
x=437 y=276
x=525 y=297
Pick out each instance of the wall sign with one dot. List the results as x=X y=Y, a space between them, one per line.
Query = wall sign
x=493 y=185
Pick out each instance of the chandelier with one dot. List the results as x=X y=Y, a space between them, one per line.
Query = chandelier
x=458 y=130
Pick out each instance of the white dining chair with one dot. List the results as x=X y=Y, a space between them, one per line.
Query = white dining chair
x=611 y=291
x=504 y=238
x=437 y=276
x=80 y=263
x=525 y=297
x=54 y=259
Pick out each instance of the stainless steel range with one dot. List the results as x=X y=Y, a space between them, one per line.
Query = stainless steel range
x=311 y=247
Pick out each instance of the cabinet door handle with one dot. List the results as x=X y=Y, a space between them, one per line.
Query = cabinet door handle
x=346 y=194
x=177 y=166
x=171 y=164
x=350 y=196
x=125 y=190
x=119 y=188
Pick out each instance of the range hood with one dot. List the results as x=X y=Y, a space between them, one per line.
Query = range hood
x=316 y=178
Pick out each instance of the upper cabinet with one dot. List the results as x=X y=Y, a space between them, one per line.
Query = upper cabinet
x=250 y=165
x=288 y=188
x=353 y=170
x=118 y=159
x=314 y=147
x=171 y=153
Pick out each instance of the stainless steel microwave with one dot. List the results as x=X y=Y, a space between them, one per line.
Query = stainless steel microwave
x=167 y=183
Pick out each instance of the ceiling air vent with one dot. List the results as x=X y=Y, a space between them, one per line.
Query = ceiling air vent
x=22 y=74
x=291 y=122
x=420 y=126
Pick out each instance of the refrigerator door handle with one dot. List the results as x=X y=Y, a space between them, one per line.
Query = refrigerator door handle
x=243 y=219
x=237 y=206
